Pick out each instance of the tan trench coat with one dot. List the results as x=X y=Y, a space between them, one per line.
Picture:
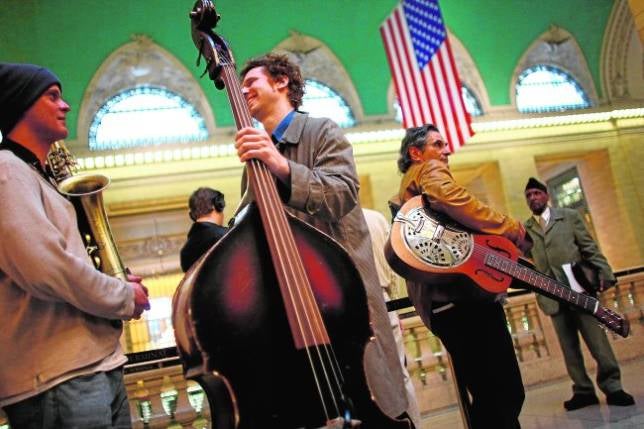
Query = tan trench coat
x=324 y=193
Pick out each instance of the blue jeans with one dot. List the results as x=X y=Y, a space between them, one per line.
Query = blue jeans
x=97 y=401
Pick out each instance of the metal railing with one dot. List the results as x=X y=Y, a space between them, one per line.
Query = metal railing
x=161 y=397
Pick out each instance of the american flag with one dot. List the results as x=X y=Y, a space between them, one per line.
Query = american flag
x=424 y=71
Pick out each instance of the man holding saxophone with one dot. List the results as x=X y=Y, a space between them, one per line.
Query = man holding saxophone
x=60 y=357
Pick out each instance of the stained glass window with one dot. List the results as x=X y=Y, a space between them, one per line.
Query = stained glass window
x=545 y=88
x=321 y=101
x=145 y=116
x=472 y=104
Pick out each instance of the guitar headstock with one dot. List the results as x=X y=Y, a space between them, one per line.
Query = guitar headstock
x=613 y=321
x=211 y=46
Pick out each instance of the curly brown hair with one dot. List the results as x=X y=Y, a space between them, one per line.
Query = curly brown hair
x=278 y=65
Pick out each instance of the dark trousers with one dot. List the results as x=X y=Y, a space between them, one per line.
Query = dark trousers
x=477 y=338
x=569 y=323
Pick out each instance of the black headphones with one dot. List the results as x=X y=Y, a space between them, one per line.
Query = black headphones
x=217 y=202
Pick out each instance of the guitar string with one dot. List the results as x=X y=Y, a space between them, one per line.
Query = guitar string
x=257 y=177
x=268 y=212
x=314 y=321
x=482 y=252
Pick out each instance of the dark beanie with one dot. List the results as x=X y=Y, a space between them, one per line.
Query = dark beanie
x=20 y=87
x=535 y=184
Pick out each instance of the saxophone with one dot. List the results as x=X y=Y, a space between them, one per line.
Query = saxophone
x=85 y=192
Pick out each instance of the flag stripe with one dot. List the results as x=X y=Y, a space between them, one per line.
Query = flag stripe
x=449 y=98
x=397 y=69
x=394 y=65
x=433 y=93
x=408 y=68
x=465 y=122
x=424 y=71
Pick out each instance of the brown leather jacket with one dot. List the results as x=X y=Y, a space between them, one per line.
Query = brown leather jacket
x=435 y=181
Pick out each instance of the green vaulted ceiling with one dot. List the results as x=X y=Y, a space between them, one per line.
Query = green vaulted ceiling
x=73 y=37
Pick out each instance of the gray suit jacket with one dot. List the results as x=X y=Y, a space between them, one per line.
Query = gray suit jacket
x=565 y=240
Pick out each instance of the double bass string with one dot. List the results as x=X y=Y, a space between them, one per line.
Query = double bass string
x=287 y=253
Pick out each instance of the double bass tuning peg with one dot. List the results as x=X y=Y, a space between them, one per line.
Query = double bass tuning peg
x=204 y=14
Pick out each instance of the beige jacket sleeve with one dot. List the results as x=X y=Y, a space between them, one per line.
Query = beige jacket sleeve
x=42 y=253
x=447 y=196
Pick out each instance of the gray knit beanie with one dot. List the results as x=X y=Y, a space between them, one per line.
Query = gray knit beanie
x=20 y=87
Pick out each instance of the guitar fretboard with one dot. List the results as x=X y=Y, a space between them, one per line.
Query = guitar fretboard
x=546 y=285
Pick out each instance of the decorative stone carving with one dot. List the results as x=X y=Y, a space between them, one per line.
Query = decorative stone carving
x=622 y=57
x=140 y=62
x=152 y=247
x=558 y=48
x=318 y=62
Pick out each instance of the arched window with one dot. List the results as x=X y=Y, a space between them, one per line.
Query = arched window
x=142 y=95
x=143 y=116
x=548 y=89
x=552 y=75
x=329 y=90
x=322 y=101
x=472 y=104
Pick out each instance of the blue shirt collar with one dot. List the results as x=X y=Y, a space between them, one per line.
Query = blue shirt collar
x=281 y=128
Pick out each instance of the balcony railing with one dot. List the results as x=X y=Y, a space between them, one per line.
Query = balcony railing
x=160 y=397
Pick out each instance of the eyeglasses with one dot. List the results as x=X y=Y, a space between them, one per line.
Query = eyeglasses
x=439 y=144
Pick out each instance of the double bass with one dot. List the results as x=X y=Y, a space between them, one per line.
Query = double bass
x=274 y=306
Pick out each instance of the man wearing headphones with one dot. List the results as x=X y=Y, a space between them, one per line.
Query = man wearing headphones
x=207 y=213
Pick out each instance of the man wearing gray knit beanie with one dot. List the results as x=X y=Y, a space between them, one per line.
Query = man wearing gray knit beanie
x=20 y=87
x=59 y=317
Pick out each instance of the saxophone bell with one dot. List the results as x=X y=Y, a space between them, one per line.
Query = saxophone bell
x=86 y=191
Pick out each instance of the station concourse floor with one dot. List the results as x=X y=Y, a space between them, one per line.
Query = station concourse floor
x=543 y=406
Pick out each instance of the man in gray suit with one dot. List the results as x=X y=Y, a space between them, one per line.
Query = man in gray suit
x=560 y=237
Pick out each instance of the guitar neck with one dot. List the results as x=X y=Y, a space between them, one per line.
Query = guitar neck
x=553 y=289
x=542 y=283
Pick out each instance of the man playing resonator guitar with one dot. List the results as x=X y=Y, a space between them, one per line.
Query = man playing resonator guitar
x=472 y=328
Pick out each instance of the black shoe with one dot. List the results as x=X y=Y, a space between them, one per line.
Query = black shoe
x=581 y=400
x=620 y=398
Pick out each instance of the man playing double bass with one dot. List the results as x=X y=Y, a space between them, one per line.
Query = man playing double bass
x=317 y=181
x=473 y=329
